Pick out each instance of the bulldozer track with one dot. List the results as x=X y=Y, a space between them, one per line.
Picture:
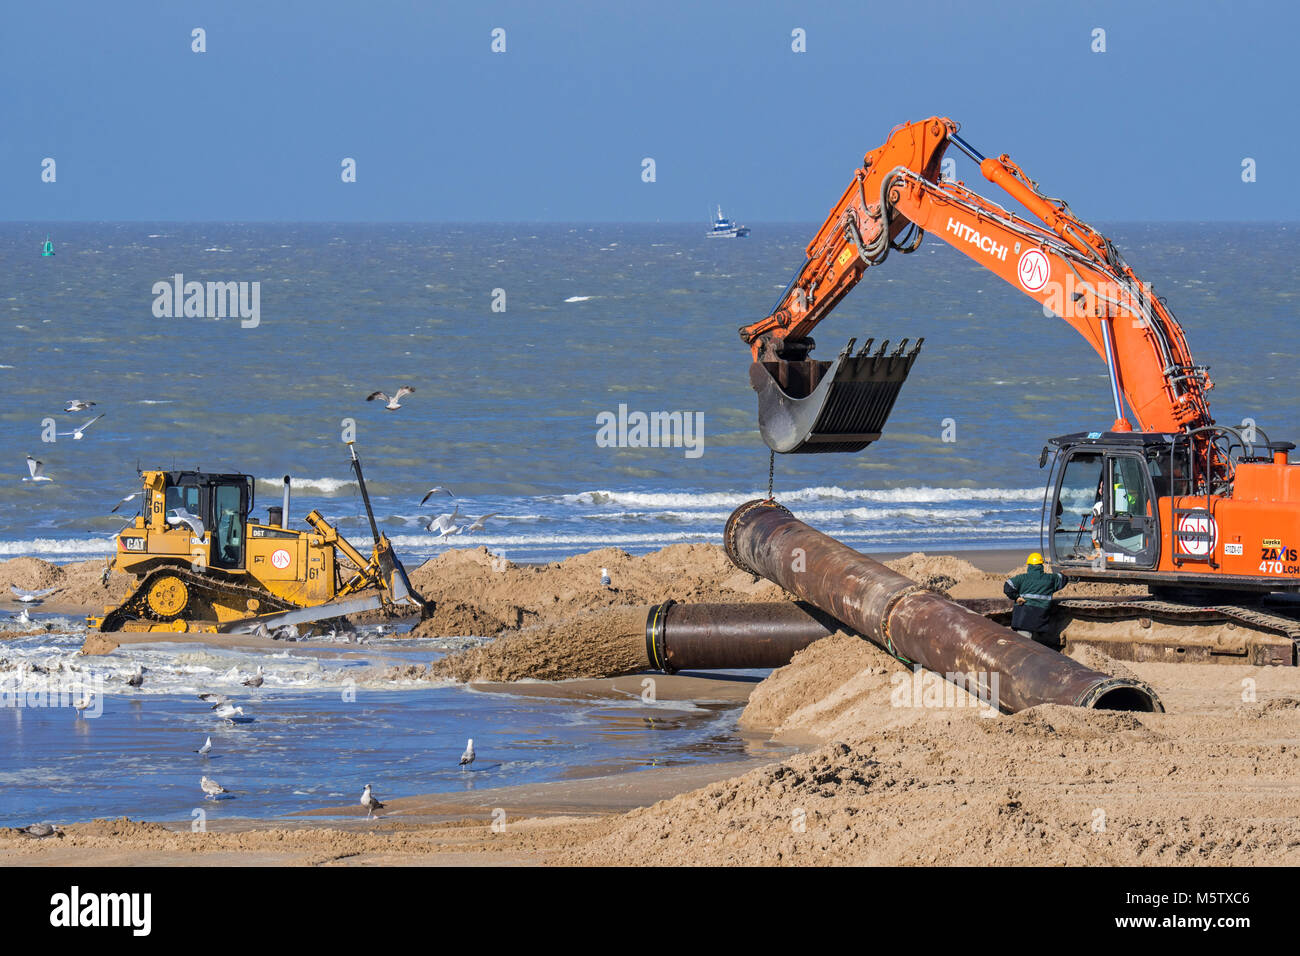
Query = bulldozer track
x=204 y=587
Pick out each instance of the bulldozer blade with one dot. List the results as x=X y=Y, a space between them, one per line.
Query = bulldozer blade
x=814 y=407
x=304 y=615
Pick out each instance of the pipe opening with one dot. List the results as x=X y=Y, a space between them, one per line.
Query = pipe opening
x=1124 y=695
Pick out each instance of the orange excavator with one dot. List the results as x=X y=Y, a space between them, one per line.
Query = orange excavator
x=1206 y=515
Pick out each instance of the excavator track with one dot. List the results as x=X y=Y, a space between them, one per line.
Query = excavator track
x=1164 y=630
x=202 y=589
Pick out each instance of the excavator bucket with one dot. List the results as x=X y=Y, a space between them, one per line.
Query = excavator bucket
x=814 y=407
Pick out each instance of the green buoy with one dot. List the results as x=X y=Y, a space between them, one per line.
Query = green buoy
x=48 y=250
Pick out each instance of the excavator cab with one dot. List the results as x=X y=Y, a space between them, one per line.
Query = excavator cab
x=806 y=406
x=1104 y=498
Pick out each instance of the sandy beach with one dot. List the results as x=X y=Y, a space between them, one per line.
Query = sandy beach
x=866 y=779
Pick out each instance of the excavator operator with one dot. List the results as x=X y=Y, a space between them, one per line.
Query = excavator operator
x=1032 y=593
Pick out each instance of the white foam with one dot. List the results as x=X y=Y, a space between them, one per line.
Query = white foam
x=325 y=485
x=579 y=298
x=57 y=546
x=918 y=495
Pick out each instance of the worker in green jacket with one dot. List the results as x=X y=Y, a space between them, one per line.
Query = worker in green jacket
x=1032 y=594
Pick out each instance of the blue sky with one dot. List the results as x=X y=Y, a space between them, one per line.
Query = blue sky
x=556 y=127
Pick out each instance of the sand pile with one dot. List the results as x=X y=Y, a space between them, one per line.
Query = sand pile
x=79 y=584
x=603 y=643
x=1049 y=785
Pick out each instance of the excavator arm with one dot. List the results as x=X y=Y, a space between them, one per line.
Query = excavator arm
x=896 y=197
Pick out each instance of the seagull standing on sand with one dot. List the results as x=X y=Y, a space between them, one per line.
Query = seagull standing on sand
x=467 y=757
x=436 y=490
x=394 y=403
x=205 y=749
x=76 y=433
x=211 y=789
x=370 y=802
x=31 y=597
x=37 y=470
x=256 y=679
x=136 y=679
x=604 y=578
x=77 y=405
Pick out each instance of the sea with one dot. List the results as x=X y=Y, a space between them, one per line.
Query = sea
x=520 y=341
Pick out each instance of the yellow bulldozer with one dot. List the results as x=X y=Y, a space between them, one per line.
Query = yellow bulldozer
x=201 y=562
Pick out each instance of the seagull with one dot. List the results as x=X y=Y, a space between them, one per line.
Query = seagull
x=289 y=632
x=478 y=523
x=76 y=433
x=125 y=500
x=604 y=578
x=369 y=801
x=205 y=749
x=22 y=617
x=37 y=470
x=211 y=788
x=31 y=597
x=136 y=679
x=444 y=524
x=395 y=402
x=84 y=703
x=228 y=712
x=256 y=679
x=467 y=757
x=216 y=700
x=77 y=405
x=181 y=516
x=39 y=831
x=437 y=490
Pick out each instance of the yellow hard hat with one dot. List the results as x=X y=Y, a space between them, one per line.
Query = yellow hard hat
x=1034 y=558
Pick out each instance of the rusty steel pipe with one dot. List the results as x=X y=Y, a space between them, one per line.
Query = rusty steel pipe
x=913 y=624
x=731 y=636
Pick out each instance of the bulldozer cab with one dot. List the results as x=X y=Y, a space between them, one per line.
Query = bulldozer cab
x=1102 y=502
x=221 y=502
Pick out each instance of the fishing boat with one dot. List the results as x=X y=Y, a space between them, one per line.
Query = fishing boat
x=724 y=228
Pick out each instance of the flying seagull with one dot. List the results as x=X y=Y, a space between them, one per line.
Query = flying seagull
x=394 y=403
x=37 y=470
x=256 y=679
x=467 y=757
x=436 y=490
x=216 y=700
x=77 y=405
x=604 y=578
x=444 y=524
x=205 y=749
x=39 y=831
x=370 y=802
x=76 y=433
x=478 y=523
x=211 y=789
x=31 y=597
x=136 y=679
x=124 y=501
x=181 y=516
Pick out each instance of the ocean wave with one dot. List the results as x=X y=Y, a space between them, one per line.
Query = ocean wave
x=918 y=495
x=91 y=546
x=579 y=298
x=326 y=486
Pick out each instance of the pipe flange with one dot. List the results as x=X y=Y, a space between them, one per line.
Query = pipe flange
x=656 y=651
x=728 y=532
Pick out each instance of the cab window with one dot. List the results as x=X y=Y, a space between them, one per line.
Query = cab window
x=183 y=496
